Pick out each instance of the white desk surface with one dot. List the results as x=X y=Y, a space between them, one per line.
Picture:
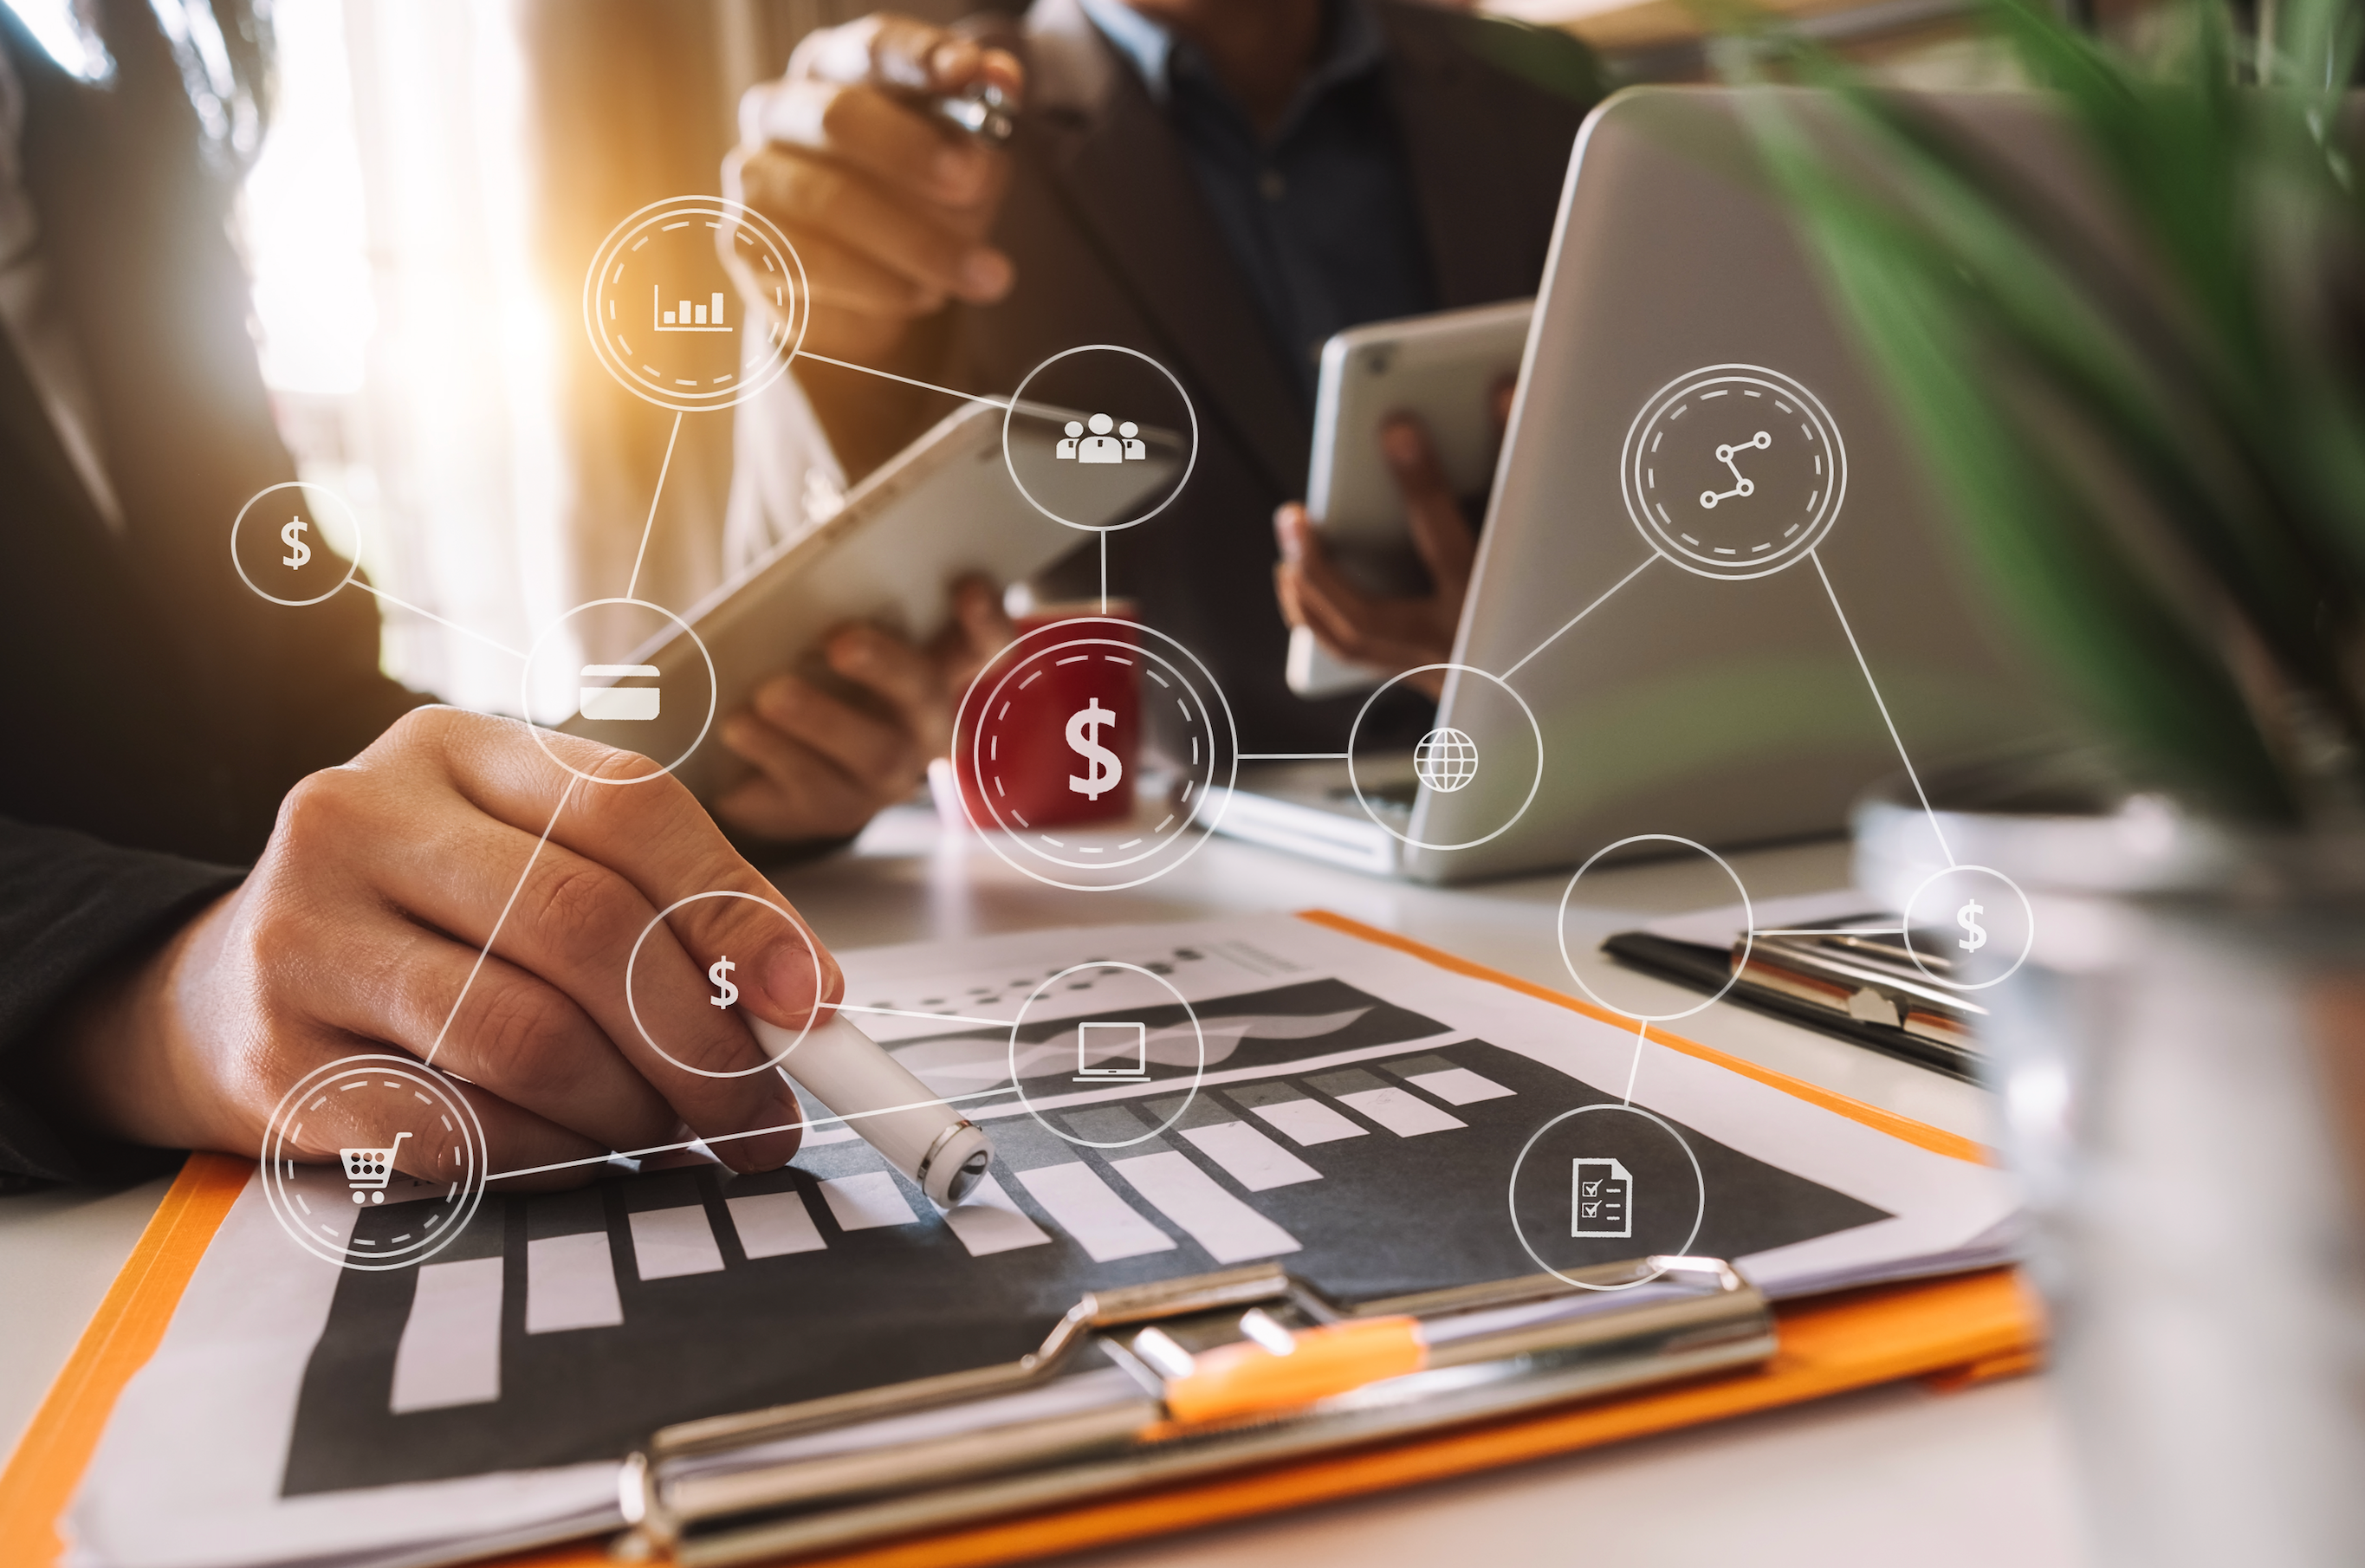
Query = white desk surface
x=1977 y=1477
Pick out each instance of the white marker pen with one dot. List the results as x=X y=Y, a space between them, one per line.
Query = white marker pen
x=924 y=1138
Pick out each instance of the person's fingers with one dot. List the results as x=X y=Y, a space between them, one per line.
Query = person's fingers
x=579 y=927
x=1440 y=531
x=794 y=794
x=911 y=682
x=1284 y=590
x=902 y=52
x=513 y=1033
x=880 y=756
x=864 y=128
x=1499 y=398
x=808 y=194
x=620 y=845
x=981 y=628
x=838 y=277
x=424 y=1145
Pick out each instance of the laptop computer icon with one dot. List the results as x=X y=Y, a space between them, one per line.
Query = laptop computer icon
x=1106 y=1050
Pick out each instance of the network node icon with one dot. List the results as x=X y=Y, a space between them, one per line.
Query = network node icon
x=1733 y=471
x=1445 y=760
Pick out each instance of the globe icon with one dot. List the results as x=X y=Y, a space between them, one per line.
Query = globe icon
x=1445 y=760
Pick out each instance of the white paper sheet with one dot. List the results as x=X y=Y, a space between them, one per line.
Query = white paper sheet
x=187 y=1472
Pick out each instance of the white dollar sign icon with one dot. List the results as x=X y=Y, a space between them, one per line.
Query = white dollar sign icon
x=1103 y=769
x=725 y=992
x=287 y=536
x=1967 y=917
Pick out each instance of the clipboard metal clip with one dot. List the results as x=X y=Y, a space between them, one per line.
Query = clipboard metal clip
x=1156 y=1383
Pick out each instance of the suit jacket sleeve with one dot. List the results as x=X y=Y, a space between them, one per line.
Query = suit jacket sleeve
x=70 y=905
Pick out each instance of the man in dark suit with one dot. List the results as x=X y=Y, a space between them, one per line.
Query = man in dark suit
x=165 y=727
x=1218 y=183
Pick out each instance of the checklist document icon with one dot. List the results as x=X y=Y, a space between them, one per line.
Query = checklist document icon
x=1602 y=1202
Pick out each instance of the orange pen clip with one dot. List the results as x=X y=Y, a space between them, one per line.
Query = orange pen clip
x=1259 y=1374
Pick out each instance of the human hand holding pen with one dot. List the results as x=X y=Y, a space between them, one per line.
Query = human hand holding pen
x=360 y=924
x=887 y=208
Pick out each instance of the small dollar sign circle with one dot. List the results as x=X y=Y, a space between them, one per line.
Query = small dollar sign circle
x=725 y=993
x=287 y=536
x=1103 y=770
x=1967 y=917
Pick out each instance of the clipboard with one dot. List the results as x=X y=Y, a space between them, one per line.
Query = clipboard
x=1952 y=1332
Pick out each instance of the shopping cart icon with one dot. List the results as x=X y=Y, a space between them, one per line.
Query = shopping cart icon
x=369 y=1169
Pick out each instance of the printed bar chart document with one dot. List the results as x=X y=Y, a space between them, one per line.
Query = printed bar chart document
x=1324 y=1102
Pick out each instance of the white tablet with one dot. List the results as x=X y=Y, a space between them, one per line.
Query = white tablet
x=1443 y=369
x=943 y=508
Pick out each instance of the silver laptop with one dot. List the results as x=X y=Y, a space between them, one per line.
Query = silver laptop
x=1701 y=475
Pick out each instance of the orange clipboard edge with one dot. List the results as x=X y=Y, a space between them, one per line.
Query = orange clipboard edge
x=49 y=1464
x=1951 y=1331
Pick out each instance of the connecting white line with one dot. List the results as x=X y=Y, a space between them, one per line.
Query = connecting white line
x=1944 y=847
x=1103 y=535
x=563 y=796
x=889 y=375
x=662 y=468
x=1581 y=614
x=1293 y=755
x=465 y=632
x=732 y=1138
x=931 y=1017
x=1833 y=931
x=1641 y=1028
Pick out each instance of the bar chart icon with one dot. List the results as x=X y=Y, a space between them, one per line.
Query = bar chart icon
x=1601 y=1201
x=683 y=316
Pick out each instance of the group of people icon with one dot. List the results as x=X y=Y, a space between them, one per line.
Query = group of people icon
x=1101 y=446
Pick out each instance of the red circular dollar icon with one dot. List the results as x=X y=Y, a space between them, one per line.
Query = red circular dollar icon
x=1091 y=752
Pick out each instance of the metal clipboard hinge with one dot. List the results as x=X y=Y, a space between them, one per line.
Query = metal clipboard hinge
x=1196 y=1377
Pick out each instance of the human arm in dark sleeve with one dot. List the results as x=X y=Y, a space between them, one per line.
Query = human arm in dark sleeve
x=73 y=910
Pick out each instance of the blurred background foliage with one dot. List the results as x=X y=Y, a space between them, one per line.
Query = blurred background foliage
x=2151 y=427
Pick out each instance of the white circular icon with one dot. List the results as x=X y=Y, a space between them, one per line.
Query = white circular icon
x=1084 y=467
x=1604 y=1195
x=1054 y=734
x=305 y=543
x=663 y=295
x=377 y=1117
x=626 y=706
x=1749 y=934
x=1446 y=759
x=1968 y=927
x=1118 y=1050
x=722 y=977
x=1733 y=471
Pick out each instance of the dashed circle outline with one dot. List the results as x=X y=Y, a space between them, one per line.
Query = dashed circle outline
x=813 y=956
x=352 y=567
x=470 y=1129
x=1357 y=785
x=784 y=346
x=1018 y=397
x=1630 y=459
x=1748 y=914
x=2027 y=944
x=525 y=693
x=1230 y=738
x=1159 y=845
x=1018 y=1085
x=1699 y=1180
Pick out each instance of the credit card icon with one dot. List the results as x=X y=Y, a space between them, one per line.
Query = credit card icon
x=628 y=702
